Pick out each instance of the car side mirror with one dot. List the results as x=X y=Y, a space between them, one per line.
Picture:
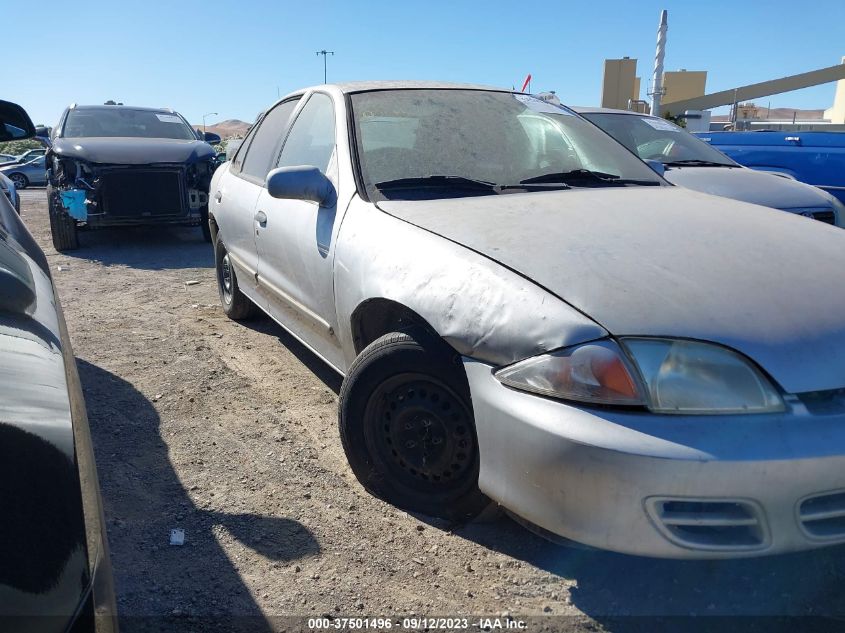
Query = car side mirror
x=656 y=166
x=15 y=123
x=301 y=182
x=211 y=138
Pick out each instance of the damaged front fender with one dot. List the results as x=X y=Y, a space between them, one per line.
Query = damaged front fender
x=482 y=309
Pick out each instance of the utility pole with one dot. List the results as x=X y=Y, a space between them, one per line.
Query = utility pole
x=325 y=54
x=203 y=119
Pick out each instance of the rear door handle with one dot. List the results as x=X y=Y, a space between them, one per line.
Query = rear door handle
x=261 y=218
x=218 y=196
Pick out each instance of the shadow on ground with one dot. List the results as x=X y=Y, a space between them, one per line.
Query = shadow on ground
x=627 y=593
x=328 y=376
x=145 y=247
x=164 y=587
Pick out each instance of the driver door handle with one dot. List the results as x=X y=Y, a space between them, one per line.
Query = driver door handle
x=261 y=218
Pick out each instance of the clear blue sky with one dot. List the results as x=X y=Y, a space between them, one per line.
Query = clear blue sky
x=232 y=57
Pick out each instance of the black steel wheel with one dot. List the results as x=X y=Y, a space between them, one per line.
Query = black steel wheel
x=407 y=426
x=235 y=304
x=422 y=438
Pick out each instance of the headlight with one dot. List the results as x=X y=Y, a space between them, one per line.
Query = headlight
x=665 y=375
x=693 y=377
x=594 y=372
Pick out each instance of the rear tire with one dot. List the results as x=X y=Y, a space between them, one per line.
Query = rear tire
x=407 y=426
x=63 y=228
x=236 y=304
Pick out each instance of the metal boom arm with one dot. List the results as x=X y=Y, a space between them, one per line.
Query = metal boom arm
x=754 y=91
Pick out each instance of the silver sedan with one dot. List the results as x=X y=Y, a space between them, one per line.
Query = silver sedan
x=524 y=312
x=31 y=173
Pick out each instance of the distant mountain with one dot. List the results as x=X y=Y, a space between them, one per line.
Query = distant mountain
x=226 y=129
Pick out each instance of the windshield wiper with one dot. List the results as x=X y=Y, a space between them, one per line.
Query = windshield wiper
x=582 y=175
x=466 y=184
x=695 y=162
x=436 y=181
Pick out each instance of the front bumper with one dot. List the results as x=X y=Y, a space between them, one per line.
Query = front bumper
x=658 y=485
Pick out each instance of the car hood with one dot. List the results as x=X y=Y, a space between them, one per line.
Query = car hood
x=8 y=169
x=749 y=185
x=133 y=151
x=671 y=262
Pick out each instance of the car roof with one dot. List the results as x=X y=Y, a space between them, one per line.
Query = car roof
x=366 y=86
x=584 y=110
x=119 y=107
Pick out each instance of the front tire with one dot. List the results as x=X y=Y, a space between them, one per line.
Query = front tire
x=20 y=181
x=236 y=304
x=63 y=228
x=407 y=426
x=206 y=229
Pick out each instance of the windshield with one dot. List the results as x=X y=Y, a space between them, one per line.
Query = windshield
x=473 y=139
x=126 y=122
x=657 y=139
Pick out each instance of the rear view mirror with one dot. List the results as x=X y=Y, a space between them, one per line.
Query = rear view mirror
x=301 y=182
x=15 y=123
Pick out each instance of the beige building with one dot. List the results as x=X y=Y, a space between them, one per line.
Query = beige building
x=683 y=84
x=620 y=83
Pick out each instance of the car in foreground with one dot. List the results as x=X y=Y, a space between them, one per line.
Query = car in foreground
x=524 y=311
x=31 y=174
x=689 y=162
x=8 y=189
x=54 y=561
x=126 y=166
x=816 y=158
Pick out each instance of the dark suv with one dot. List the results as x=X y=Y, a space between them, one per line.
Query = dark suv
x=115 y=165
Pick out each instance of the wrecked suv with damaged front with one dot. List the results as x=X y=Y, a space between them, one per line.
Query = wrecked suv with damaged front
x=121 y=166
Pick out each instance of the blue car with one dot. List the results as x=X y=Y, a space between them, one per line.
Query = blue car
x=817 y=158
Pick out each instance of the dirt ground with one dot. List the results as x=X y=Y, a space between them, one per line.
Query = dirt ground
x=228 y=431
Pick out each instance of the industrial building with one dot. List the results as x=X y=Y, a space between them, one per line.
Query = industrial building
x=682 y=94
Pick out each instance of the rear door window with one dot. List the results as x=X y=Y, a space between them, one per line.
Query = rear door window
x=264 y=148
x=238 y=158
